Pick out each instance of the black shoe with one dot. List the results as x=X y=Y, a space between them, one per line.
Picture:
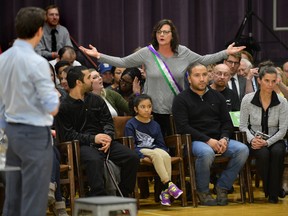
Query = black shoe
x=222 y=198
x=282 y=193
x=273 y=199
x=206 y=199
x=230 y=191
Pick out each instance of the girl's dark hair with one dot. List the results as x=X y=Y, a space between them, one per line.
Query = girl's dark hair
x=60 y=64
x=135 y=100
x=175 y=37
x=266 y=67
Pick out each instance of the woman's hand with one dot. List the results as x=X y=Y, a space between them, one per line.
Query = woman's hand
x=231 y=49
x=136 y=86
x=258 y=143
x=91 y=52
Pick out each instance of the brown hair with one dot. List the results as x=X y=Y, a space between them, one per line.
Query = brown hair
x=175 y=38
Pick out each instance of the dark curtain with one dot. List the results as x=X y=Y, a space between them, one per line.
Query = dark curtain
x=117 y=27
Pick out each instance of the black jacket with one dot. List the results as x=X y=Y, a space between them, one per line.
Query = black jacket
x=82 y=120
x=203 y=117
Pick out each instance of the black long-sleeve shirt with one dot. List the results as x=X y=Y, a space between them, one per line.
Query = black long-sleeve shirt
x=82 y=120
x=203 y=117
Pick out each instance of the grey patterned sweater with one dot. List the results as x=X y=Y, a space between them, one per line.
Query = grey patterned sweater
x=251 y=115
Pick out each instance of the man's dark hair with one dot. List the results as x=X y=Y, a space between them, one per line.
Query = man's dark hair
x=28 y=21
x=193 y=65
x=175 y=38
x=75 y=73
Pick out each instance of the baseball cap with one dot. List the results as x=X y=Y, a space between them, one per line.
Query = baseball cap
x=104 y=67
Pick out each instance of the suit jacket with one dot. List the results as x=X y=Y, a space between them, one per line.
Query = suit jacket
x=242 y=86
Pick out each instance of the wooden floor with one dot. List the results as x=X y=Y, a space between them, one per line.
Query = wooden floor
x=235 y=208
x=260 y=207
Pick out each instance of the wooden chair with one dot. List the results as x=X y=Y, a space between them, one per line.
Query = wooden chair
x=81 y=177
x=189 y=163
x=146 y=168
x=190 y=160
x=67 y=170
x=252 y=169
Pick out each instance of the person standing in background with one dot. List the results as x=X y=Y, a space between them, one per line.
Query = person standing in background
x=55 y=36
x=26 y=114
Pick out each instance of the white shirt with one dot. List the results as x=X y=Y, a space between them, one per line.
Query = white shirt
x=236 y=82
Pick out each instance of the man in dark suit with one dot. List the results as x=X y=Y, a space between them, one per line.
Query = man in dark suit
x=236 y=83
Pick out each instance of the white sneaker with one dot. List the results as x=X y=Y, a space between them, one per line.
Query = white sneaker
x=59 y=209
x=51 y=194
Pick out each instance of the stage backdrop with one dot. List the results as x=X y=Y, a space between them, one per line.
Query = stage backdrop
x=117 y=27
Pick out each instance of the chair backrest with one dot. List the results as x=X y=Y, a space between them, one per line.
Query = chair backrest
x=119 y=125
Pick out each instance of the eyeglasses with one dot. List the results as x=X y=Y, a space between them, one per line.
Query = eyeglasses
x=125 y=82
x=165 y=32
x=233 y=62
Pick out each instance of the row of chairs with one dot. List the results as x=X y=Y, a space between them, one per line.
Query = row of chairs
x=182 y=166
x=185 y=166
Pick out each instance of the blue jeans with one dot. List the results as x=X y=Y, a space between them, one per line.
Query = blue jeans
x=55 y=176
x=236 y=151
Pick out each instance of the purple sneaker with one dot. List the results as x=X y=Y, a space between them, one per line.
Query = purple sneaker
x=165 y=198
x=174 y=191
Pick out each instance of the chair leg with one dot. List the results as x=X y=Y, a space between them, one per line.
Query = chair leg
x=249 y=182
x=242 y=185
x=182 y=184
x=193 y=184
x=136 y=194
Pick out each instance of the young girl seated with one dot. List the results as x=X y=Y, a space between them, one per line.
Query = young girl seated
x=149 y=143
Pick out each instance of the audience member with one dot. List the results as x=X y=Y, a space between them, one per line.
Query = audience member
x=149 y=144
x=66 y=53
x=107 y=73
x=130 y=83
x=220 y=77
x=28 y=102
x=55 y=36
x=116 y=103
x=210 y=68
x=116 y=78
x=164 y=57
x=285 y=73
x=283 y=88
x=59 y=67
x=278 y=80
x=202 y=112
x=236 y=83
x=245 y=66
x=85 y=117
x=54 y=194
x=250 y=74
x=63 y=79
x=246 y=55
x=264 y=118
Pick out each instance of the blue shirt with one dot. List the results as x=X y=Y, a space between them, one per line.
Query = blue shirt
x=145 y=135
x=27 y=93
